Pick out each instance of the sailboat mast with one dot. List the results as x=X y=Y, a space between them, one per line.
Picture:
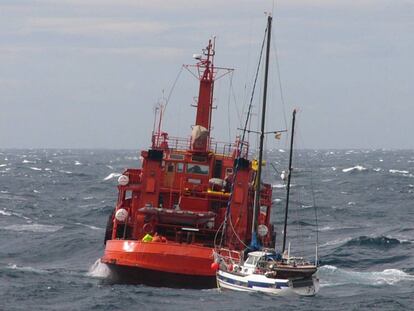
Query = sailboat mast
x=256 y=208
x=289 y=176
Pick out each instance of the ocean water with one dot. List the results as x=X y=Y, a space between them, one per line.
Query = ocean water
x=54 y=205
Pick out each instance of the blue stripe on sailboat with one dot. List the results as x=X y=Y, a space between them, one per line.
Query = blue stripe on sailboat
x=251 y=284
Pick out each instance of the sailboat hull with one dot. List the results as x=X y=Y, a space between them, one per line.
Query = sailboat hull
x=261 y=283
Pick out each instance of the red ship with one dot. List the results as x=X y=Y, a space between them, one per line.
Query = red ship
x=171 y=211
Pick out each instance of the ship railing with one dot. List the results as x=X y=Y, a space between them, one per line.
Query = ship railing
x=163 y=141
x=229 y=256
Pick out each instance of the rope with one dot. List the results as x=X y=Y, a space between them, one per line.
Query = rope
x=228 y=106
x=313 y=202
x=173 y=87
x=282 y=98
x=226 y=217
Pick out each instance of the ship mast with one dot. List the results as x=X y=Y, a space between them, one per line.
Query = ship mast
x=256 y=207
x=288 y=181
x=205 y=96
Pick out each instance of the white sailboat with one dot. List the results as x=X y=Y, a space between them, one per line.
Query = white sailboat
x=264 y=270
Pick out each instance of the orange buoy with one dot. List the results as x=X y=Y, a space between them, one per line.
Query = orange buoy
x=214 y=266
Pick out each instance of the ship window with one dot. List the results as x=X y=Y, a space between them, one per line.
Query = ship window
x=199 y=158
x=252 y=260
x=175 y=156
x=197 y=169
x=170 y=167
x=180 y=167
x=128 y=194
x=229 y=171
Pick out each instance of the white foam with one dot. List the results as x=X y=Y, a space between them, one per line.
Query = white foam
x=66 y=172
x=3 y=165
x=27 y=161
x=336 y=242
x=336 y=276
x=21 y=268
x=326 y=228
x=398 y=172
x=4 y=213
x=281 y=150
x=327 y=180
x=357 y=167
x=99 y=270
x=333 y=168
x=278 y=186
x=38 y=228
x=111 y=176
x=377 y=169
x=88 y=226
x=78 y=163
x=35 y=168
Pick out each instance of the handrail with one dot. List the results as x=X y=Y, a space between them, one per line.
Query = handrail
x=180 y=143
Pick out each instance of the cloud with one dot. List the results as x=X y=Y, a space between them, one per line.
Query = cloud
x=10 y=53
x=95 y=26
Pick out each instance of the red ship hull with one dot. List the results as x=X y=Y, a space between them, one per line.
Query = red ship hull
x=170 y=211
x=167 y=264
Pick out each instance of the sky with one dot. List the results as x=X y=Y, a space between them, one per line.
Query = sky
x=88 y=74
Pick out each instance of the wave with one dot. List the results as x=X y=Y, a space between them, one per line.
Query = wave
x=111 y=176
x=4 y=213
x=27 y=161
x=335 y=242
x=65 y=172
x=35 y=168
x=359 y=168
x=376 y=242
x=332 y=228
x=99 y=270
x=302 y=223
x=88 y=226
x=26 y=269
x=399 y=172
x=38 y=228
x=333 y=276
x=3 y=165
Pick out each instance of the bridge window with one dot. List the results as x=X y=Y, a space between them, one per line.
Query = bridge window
x=170 y=167
x=198 y=169
x=180 y=167
x=176 y=156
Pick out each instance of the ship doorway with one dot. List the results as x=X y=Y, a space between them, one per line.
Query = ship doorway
x=218 y=166
x=169 y=174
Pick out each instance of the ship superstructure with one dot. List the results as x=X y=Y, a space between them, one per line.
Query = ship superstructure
x=169 y=211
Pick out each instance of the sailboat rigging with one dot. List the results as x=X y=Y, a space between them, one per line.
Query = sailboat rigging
x=264 y=270
x=288 y=180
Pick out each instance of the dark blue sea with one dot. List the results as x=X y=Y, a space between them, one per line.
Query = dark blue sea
x=54 y=205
